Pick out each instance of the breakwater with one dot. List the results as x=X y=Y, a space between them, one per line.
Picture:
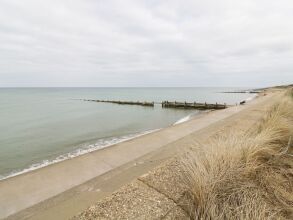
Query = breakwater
x=167 y=104
x=150 y=104
x=193 y=105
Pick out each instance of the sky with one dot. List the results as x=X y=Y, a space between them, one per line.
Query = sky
x=94 y=43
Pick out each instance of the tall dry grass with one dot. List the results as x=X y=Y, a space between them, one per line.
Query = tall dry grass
x=246 y=176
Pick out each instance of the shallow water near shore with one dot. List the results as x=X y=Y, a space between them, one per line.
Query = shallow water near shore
x=40 y=126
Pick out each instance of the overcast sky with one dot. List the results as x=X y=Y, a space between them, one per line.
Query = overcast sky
x=146 y=43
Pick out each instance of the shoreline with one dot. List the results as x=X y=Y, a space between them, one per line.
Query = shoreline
x=73 y=154
x=81 y=151
x=92 y=150
x=35 y=189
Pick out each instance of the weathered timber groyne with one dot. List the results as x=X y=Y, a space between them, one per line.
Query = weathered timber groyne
x=250 y=92
x=148 y=104
x=166 y=104
x=193 y=105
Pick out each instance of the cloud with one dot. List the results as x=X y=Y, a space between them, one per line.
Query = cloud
x=145 y=43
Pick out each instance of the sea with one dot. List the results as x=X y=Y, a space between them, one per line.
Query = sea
x=42 y=126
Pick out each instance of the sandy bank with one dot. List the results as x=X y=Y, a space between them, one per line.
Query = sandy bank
x=106 y=169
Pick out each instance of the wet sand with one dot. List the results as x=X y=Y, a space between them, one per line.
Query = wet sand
x=61 y=190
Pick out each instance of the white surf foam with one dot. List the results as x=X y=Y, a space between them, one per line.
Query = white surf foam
x=186 y=118
x=251 y=98
x=100 y=144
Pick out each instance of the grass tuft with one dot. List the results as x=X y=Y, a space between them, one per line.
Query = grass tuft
x=245 y=176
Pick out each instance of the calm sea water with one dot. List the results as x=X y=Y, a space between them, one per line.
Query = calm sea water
x=40 y=126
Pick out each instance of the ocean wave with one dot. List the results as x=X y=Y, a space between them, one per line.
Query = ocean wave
x=251 y=98
x=100 y=144
x=186 y=118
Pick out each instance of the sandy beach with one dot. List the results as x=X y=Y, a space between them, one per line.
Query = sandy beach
x=62 y=190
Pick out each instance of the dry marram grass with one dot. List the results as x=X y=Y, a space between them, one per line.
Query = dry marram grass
x=245 y=176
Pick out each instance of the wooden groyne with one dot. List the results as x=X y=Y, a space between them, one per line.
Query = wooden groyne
x=192 y=105
x=148 y=104
x=166 y=104
x=249 y=92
